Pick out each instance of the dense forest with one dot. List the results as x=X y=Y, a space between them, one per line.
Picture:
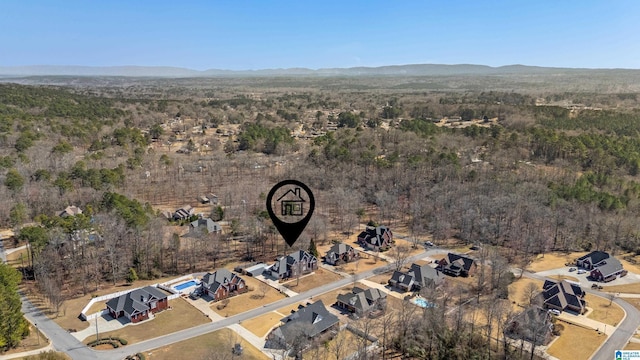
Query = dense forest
x=526 y=172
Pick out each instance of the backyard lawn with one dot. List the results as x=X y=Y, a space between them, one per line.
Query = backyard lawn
x=181 y=316
x=249 y=300
x=564 y=348
x=516 y=292
x=215 y=345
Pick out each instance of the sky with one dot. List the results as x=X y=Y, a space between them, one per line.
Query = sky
x=268 y=34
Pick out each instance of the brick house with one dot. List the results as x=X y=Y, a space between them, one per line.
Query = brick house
x=222 y=284
x=138 y=304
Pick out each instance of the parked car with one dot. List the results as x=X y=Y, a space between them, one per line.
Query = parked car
x=555 y=312
x=582 y=271
x=428 y=243
x=596 y=286
x=572 y=269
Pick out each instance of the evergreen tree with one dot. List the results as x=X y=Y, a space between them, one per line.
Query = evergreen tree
x=13 y=326
x=313 y=250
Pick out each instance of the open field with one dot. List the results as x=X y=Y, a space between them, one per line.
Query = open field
x=213 y=346
x=321 y=277
x=553 y=261
x=181 y=316
x=602 y=311
x=625 y=289
x=249 y=300
x=261 y=325
x=564 y=348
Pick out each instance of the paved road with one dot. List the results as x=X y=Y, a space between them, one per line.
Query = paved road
x=3 y=256
x=65 y=342
x=625 y=330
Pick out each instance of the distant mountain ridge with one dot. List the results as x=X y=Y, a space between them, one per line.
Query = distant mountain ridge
x=391 y=70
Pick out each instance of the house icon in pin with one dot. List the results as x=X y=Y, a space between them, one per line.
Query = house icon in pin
x=618 y=355
x=291 y=203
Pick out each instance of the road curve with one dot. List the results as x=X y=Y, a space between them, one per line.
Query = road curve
x=624 y=331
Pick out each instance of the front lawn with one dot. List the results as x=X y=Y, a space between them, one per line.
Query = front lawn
x=321 y=277
x=576 y=343
x=249 y=300
x=181 y=316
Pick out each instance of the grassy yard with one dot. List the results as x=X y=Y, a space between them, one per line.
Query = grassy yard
x=634 y=302
x=321 y=277
x=628 y=288
x=261 y=325
x=35 y=340
x=362 y=265
x=566 y=348
x=249 y=300
x=182 y=316
x=632 y=346
x=603 y=312
x=553 y=261
x=516 y=292
x=215 y=345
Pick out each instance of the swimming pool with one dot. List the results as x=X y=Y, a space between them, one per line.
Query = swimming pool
x=423 y=303
x=185 y=285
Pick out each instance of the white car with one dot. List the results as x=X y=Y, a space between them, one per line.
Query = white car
x=582 y=271
x=555 y=312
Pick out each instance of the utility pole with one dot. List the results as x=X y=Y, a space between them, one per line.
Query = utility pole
x=37 y=333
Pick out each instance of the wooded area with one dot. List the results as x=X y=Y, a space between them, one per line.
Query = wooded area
x=526 y=172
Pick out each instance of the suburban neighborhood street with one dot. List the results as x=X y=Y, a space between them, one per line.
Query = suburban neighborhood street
x=65 y=342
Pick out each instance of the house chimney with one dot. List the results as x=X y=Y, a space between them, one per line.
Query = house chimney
x=296 y=191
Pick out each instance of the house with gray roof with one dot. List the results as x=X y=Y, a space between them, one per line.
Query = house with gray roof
x=292 y=265
x=563 y=295
x=311 y=322
x=341 y=253
x=457 y=265
x=416 y=278
x=70 y=211
x=608 y=270
x=592 y=259
x=363 y=302
x=222 y=284
x=204 y=226
x=139 y=304
x=376 y=238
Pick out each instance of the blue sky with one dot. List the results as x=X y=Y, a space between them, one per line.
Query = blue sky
x=240 y=35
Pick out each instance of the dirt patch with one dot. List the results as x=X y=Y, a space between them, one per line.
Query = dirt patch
x=249 y=300
x=214 y=345
x=181 y=316
x=553 y=261
x=604 y=310
x=564 y=348
x=319 y=278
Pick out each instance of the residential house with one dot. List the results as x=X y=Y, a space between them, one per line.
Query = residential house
x=291 y=203
x=183 y=213
x=533 y=325
x=608 y=270
x=292 y=265
x=457 y=265
x=363 y=302
x=341 y=253
x=222 y=284
x=563 y=295
x=418 y=277
x=70 y=211
x=204 y=226
x=313 y=322
x=208 y=199
x=376 y=238
x=592 y=259
x=137 y=305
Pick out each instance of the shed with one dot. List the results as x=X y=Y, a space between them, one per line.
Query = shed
x=255 y=270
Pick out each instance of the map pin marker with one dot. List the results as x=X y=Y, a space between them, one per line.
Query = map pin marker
x=290 y=204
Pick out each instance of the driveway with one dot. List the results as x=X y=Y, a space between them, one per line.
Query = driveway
x=630 y=278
